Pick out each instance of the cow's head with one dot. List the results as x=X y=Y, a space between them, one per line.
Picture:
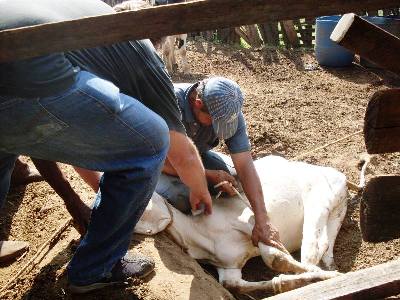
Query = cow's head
x=155 y=218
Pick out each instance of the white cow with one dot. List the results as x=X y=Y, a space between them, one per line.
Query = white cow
x=171 y=46
x=306 y=203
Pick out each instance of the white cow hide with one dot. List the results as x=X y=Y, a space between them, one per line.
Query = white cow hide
x=306 y=203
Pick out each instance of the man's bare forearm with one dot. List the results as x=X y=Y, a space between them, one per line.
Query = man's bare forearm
x=55 y=178
x=184 y=158
x=251 y=185
x=169 y=169
x=79 y=211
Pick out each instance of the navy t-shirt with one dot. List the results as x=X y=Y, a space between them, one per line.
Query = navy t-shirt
x=138 y=71
x=48 y=74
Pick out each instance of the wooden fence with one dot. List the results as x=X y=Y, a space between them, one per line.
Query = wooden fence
x=288 y=33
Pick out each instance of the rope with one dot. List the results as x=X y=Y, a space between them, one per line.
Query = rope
x=353 y=186
x=235 y=190
x=326 y=145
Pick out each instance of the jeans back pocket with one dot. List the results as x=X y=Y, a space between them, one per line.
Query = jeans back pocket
x=25 y=122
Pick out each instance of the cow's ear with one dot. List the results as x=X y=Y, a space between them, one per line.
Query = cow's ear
x=155 y=218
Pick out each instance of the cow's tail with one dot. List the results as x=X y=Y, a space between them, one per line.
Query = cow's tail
x=364 y=161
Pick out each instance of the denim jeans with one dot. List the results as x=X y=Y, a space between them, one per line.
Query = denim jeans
x=177 y=193
x=91 y=125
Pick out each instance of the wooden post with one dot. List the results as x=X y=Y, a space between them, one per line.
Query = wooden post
x=162 y=20
x=382 y=122
x=291 y=34
x=372 y=283
x=369 y=41
x=270 y=34
x=380 y=209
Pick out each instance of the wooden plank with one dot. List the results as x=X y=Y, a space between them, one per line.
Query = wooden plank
x=380 y=209
x=371 y=283
x=382 y=122
x=369 y=41
x=270 y=33
x=161 y=20
x=291 y=34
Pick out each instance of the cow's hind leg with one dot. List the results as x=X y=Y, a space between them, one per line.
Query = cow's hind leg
x=232 y=280
x=168 y=52
x=282 y=262
x=318 y=203
x=315 y=235
x=182 y=53
x=334 y=223
x=324 y=210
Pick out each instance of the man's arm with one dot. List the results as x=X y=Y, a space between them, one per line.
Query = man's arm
x=79 y=211
x=213 y=177
x=185 y=160
x=263 y=230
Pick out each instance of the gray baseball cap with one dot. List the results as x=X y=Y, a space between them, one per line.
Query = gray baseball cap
x=223 y=99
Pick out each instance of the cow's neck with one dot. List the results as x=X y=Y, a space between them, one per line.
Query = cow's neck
x=186 y=234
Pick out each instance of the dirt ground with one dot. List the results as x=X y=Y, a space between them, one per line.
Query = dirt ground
x=291 y=106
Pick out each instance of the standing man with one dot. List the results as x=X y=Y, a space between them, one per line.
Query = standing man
x=53 y=111
x=139 y=72
x=211 y=110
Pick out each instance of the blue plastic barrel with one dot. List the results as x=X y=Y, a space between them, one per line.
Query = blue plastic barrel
x=328 y=53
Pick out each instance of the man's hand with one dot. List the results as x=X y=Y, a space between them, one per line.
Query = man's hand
x=23 y=174
x=217 y=176
x=267 y=234
x=197 y=199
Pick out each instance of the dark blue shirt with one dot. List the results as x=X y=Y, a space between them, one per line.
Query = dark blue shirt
x=137 y=70
x=204 y=137
x=48 y=74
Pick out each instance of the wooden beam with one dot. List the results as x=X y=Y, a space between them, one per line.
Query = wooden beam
x=382 y=122
x=371 y=283
x=380 y=209
x=369 y=41
x=165 y=20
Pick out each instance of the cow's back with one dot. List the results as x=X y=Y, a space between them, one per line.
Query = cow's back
x=287 y=187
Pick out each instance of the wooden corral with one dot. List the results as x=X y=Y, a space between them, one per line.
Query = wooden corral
x=372 y=283
x=288 y=33
x=161 y=20
x=198 y=16
x=380 y=209
x=382 y=122
x=369 y=41
x=380 y=204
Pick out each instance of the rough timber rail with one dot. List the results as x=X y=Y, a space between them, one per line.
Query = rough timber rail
x=165 y=20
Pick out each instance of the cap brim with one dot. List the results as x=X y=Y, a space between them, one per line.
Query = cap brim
x=225 y=129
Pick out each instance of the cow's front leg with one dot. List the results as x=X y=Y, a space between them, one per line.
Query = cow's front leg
x=282 y=262
x=232 y=280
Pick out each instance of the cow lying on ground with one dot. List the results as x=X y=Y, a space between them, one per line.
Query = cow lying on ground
x=170 y=45
x=306 y=203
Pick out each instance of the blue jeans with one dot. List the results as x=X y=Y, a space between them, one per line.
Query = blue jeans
x=177 y=193
x=91 y=125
